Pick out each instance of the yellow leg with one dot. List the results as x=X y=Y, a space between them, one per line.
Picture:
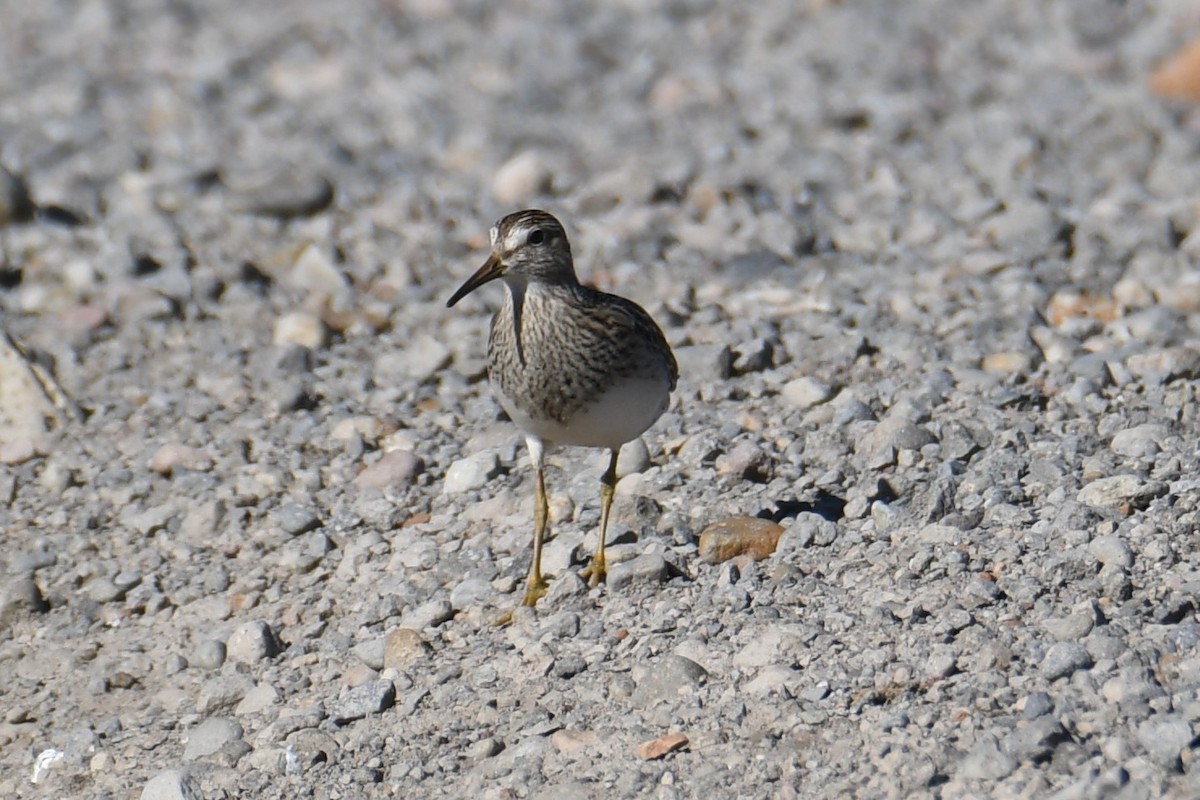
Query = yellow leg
x=536 y=586
x=598 y=571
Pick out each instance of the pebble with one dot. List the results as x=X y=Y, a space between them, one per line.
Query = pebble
x=1111 y=549
x=646 y=568
x=1063 y=659
x=746 y=460
x=260 y=698
x=471 y=473
x=287 y=194
x=295 y=519
x=418 y=360
x=173 y=455
x=20 y=596
x=315 y=274
x=804 y=392
x=987 y=762
x=302 y=329
x=1111 y=492
x=1037 y=704
x=1165 y=738
x=208 y=654
x=251 y=643
x=429 y=614
x=373 y=697
x=736 y=536
x=172 y=784
x=633 y=458
x=704 y=363
x=666 y=679
x=1140 y=441
x=395 y=469
x=15 y=202
x=663 y=745
x=520 y=179
x=210 y=737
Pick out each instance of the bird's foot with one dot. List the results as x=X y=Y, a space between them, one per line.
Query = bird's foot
x=535 y=591
x=596 y=572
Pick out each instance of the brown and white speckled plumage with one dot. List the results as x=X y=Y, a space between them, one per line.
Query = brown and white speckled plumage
x=570 y=364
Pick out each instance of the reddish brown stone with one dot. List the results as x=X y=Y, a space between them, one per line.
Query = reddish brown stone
x=732 y=537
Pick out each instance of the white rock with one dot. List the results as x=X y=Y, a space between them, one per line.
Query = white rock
x=521 y=178
x=804 y=393
x=300 y=328
x=473 y=472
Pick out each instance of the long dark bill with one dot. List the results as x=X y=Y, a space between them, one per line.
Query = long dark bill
x=492 y=268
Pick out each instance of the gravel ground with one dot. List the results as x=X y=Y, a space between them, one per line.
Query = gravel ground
x=928 y=269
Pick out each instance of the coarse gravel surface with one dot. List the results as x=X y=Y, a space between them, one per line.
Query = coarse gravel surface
x=929 y=269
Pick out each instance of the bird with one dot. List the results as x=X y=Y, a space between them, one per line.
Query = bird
x=570 y=365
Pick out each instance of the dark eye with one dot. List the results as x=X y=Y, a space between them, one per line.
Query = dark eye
x=536 y=236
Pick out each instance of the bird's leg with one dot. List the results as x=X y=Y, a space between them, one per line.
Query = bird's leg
x=536 y=586
x=598 y=571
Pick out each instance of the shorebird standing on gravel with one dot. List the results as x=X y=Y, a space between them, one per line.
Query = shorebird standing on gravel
x=571 y=365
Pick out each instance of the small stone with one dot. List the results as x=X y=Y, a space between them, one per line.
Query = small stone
x=746 y=460
x=314 y=273
x=1063 y=659
x=104 y=590
x=422 y=357
x=397 y=468
x=16 y=205
x=942 y=663
x=1008 y=362
x=295 y=519
x=804 y=393
x=736 y=536
x=470 y=593
x=571 y=742
x=520 y=179
x=771 y=678
x=648 y=568
x=20 y=596
x=404 y=648
x=1067 y=306
x=986 y=762
x=1157 y=366
x=373 y=697
x=1111 y=549
x=209 y=654
x=302 y=329
x=633 y=458
x=305 y=552
x=1070 y=628
x=172 y=456
x=569 y=666
x=287 y=194
x=1165 y=737
x=485 y=748
x=210 y=737
x=251 y=643
x=173 y=784
x=663 y=745
x=1140 y=441
x=703 y=363
x=753 y=356
x=1111 y=492
x=666 y=679
x=1037 y=704
x=471 y=473
x=760 y=651
x=429 y=614
x=260 y=698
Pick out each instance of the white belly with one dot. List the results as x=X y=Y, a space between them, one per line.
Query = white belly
x=621 y=414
